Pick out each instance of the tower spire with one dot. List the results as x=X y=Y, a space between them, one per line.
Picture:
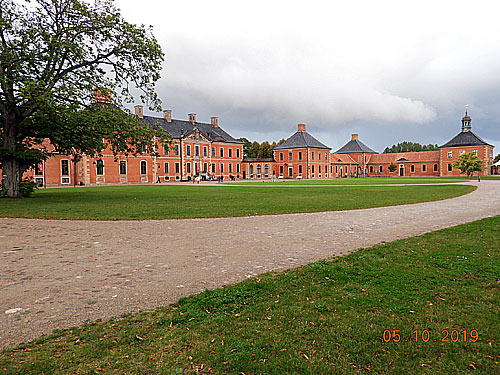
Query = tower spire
x=466 y=120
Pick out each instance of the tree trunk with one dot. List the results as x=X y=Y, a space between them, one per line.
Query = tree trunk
x=11 y=165
x=13 y=173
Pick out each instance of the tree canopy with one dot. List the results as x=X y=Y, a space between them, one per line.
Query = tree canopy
x=258 y=150
x=468 y=163
x=54 y=54
x=410 y=147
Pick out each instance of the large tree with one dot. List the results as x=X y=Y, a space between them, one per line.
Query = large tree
x=53 y=56
x=468 y=163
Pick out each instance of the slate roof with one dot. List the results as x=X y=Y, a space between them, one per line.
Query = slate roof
x=467 y=138
x=257 y=160
x=416 y=157
x=301 y=139
x=176 y=127
x=354 y=146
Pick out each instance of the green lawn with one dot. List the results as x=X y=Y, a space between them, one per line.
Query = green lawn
x=180 y=201
x=327 y=317
x=361 y=181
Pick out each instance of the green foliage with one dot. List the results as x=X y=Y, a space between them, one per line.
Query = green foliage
x=392 y=167
x=327 y=317
x=27 y=187
x=497 y=158
x=258 y=150
x=410 y=147
x=54 y=55
x=468 y=163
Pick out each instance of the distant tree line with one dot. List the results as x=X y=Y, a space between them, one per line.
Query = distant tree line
x=258 y=150
x=410 y=147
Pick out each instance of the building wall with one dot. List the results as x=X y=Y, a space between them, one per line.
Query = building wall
x=304 y=162
x=449 y=154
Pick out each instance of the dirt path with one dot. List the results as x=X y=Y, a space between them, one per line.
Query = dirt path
x=57 y=274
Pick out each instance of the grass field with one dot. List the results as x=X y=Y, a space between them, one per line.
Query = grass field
x=180 y=201
x=361 y=181
x=327 y=317
x=370 y=181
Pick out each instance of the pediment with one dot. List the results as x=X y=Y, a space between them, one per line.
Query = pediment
x=402 y=159
x=196 y=135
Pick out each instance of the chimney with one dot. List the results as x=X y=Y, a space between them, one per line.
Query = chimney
x=215 y=121
x=354 y=137
x=192 y=117
x=301 y=128
x=138 y=111
x=167 y=115
x=102 y=95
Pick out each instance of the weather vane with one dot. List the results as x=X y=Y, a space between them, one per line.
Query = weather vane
x=466 y=109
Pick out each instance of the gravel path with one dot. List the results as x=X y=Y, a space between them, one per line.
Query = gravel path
x=57 y=274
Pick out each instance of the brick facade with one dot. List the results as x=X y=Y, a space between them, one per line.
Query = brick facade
x=205 y=150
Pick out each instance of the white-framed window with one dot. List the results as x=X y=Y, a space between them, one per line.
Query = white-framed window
x=450 y=154
x=475 y=152
x=462 y=152
x=266 y=170
x=188 y=150
x=412 y=168
x=99 y=165
x=144 y=167
x=196 y=150
x=64 y=167
x=205 y=150
x=381 y=169
x=188 y=167
x=221 y=167
x=123 y=167
x=221 y=152
x=449 y=167
x=165 y=168
x=230 y=168
x=237 y=152
x=435 y=167
x=177 y=168
x=230 y=153
x=424 y=167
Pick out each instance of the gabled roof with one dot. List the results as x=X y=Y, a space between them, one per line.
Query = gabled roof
x=467 y=138
x=355 y=146
x=257 y=160
x=301 y=139
x=342 y=158
x=176 y=127
x=412 y=157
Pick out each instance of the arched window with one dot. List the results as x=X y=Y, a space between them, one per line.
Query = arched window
x=251 y=170
x=266 y=169
x=259 y=170
x=143 y=167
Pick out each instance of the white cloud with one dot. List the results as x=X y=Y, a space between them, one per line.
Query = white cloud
x=327 y=63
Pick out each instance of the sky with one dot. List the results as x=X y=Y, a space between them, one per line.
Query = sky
x=390 y=71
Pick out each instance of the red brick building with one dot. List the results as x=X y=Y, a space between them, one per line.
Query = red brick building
x=302 y=156
x=206 y=150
